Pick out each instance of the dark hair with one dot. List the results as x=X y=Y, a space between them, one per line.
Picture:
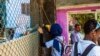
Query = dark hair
x=76 y=25
x=89 y=26
x=55 y=30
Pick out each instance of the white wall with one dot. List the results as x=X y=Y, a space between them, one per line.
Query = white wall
x=13 y=9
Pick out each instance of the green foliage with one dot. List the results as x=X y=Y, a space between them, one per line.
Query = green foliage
x=82 y=18
x=98 y=17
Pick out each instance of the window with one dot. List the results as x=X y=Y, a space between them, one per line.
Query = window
x=25 y=8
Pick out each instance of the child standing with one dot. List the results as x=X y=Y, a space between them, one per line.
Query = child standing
x=56 y=44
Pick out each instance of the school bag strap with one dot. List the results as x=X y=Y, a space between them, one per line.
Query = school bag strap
x=76 y=49
x=62 y=48
x=87 y=50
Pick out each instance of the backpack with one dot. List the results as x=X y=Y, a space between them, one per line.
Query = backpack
x=85 y=53
x=65 y=49
x=62 y=45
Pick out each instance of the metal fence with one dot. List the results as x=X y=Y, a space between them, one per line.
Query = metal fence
x=15 y=20
x=16 y=30
x=25 y=46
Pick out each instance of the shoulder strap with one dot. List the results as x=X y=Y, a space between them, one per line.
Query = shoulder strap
x=62 y=46
x=88 y=49
x=75 y=49
x=62 y=49
x=56 y=45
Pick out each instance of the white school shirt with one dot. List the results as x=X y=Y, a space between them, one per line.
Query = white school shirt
x=75 y=36
x=49 y=44
x=83 y=44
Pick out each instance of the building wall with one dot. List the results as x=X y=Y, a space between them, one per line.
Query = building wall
x=74 y=2
x=14 y=16
x=64 y=12
x=61 y=19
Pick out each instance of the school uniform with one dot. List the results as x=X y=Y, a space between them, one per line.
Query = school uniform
x=75 y=37
x=56 y=46
x=83 y=44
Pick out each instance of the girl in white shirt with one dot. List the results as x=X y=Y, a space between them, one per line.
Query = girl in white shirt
x=56 y=44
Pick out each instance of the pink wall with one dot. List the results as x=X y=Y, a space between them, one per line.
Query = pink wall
x=61 y=19
x=61 y=15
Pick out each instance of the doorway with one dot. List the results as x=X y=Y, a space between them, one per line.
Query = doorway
x=81 y=17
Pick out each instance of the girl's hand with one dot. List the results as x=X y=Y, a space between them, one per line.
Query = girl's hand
x=40 y=30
